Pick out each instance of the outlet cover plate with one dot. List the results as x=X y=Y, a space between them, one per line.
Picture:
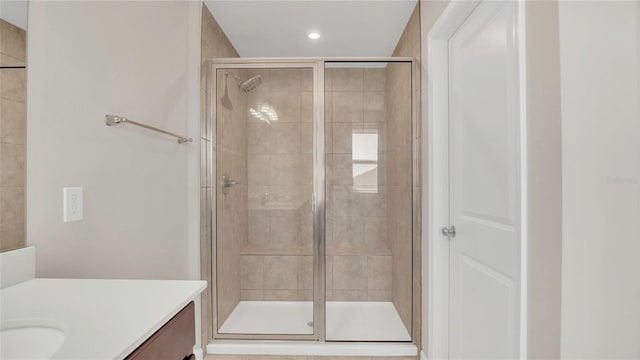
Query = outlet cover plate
x=72 y=204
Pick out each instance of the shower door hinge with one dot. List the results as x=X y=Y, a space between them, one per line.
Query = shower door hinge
x=449 y=232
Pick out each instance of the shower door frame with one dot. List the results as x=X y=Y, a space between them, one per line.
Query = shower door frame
x=317 y=65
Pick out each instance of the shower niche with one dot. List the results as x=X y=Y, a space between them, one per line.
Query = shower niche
x=312 y=205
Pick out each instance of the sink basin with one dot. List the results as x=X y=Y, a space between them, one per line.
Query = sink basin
x=30 y=339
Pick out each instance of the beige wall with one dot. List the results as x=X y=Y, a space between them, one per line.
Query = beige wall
x=12 y=137
x=137 y=194
x=544 y=181
x=140 y=187
x=405 y=251
x=600 y=77
x=231 y=159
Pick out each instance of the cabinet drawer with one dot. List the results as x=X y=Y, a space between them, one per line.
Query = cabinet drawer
x=174 y=340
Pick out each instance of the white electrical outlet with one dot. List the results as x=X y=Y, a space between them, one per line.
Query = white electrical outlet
x=72 y=203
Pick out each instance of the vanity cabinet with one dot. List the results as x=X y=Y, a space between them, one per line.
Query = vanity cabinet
x=174 y=340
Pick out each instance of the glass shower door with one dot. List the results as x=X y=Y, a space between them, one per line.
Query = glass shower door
x=263 y=202
x=369 y=228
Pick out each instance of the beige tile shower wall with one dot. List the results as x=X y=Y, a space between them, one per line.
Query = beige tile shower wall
x=277 y=263
x=12 y=137
x=290 y=277
x=405 y=252
x=232 y=208
x=280 y=160
x=359 y=265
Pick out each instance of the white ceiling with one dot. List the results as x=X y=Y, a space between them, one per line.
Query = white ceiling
x=14 y=12
x=348 y=28
x=266 y=28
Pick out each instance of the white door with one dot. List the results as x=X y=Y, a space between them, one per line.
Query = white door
x=484 y=165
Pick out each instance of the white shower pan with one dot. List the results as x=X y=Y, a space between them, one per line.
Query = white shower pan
x=361 y=323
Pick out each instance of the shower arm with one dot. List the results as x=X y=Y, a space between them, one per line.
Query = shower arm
x=238 y=79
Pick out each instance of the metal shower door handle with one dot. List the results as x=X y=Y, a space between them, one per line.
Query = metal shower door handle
x=227 y=183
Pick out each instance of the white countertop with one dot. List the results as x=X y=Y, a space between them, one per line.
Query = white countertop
x=102 y=319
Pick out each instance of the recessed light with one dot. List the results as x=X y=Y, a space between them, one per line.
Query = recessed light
x=314 y=35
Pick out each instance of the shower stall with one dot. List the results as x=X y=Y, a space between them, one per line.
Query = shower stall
x=313 y=203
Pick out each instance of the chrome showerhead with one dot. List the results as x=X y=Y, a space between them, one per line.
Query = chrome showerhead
x=249 y=84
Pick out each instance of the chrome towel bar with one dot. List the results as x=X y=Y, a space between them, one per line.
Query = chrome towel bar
x=111 y=120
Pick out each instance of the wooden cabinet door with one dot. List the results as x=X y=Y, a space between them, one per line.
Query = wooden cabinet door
x=174 y=340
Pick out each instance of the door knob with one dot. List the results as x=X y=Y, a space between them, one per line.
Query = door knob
x=449 y=232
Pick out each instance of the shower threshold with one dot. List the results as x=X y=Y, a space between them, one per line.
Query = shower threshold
x=363 y=322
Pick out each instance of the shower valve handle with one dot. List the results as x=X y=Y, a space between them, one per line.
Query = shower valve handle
x=227 y=183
